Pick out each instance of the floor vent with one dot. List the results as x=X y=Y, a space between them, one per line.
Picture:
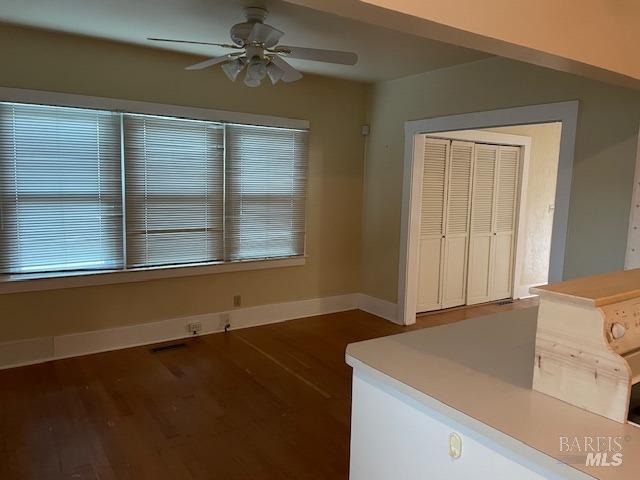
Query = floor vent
x=164 y=348
x=504 y=302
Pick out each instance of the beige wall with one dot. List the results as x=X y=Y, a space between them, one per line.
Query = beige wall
x=594 y=38
x=336 y=110
x=602 y=174
x=563 y=28
x=540 y=198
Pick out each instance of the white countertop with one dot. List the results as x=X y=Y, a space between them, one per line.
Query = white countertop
x=481 y=370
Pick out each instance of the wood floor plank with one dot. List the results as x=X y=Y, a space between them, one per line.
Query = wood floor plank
x=270 y=402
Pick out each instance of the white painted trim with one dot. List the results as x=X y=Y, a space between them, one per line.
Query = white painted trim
x=378 y=307
x=632 y=257
x=565 y=112
x=481 y=136
x=43 y=349
x=524 y=142
x=20 y=95
x=524 y=290
x=55 y=281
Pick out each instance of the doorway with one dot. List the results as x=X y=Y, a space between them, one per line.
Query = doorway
x=564 y=113
x=481 y=240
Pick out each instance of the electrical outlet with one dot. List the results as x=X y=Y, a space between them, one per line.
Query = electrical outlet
x=194 y=327
x=237 y=300
x=225 y=320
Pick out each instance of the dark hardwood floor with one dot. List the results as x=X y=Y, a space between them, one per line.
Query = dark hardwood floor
x=270 y=402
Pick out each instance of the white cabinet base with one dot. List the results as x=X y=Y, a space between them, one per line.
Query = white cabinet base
x=395 y=438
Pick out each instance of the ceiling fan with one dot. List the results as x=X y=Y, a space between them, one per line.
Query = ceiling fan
x=257 y=49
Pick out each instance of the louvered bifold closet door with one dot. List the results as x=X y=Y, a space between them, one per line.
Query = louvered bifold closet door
x=481 y=242
x=456 y=241
x=266 y=172
x=432 y=224
x=505 y=217
x=60 y=189
x=174 y=190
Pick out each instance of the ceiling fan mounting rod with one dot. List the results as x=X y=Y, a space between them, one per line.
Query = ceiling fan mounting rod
x=255 y=14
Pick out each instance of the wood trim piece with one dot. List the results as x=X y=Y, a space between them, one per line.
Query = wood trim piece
x=43 y=349
x=133 y=106
x=632 y=257
x=575 y=363
x=596 y=290
x=30 y=283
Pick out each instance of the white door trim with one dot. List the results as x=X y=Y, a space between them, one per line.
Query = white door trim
x=565 y=112
x=632 y=257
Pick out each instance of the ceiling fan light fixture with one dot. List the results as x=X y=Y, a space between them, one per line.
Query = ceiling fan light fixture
x=274 y=72
x=250 y=81
x=256 y=71
x=257 y=68
x=233 y=68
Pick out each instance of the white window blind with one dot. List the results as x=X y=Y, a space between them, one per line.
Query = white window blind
x=265 y=192
x=174 y=170
x=60 y=189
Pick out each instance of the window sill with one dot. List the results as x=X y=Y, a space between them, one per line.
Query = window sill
x=37 y=282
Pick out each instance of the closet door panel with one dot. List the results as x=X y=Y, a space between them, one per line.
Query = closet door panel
x=505 y=216
x=454 y=285
x=502 y=268
x=478 y=282
x=481 y=248
x=432 y=224
x=429 y=274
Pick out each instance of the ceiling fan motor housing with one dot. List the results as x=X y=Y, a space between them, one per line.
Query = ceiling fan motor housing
x=240 y=31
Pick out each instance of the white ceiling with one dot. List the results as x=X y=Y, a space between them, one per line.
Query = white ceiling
x=383 y=54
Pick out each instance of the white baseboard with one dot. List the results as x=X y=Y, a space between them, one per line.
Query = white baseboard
x=26 y=352
x=522 y=291
x=38 y=350
x=379 y=307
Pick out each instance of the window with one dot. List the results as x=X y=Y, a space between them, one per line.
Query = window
x=265 y=199
x=174 y=190
x=96 y=190
x=60 y=189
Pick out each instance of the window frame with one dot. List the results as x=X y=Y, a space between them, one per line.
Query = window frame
x=14 y=283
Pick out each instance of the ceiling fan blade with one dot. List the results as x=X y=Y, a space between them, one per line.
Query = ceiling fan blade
x=290 y=74
x=266 y=34
x=208 y=63
x=319 y=55
x=223 y=45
